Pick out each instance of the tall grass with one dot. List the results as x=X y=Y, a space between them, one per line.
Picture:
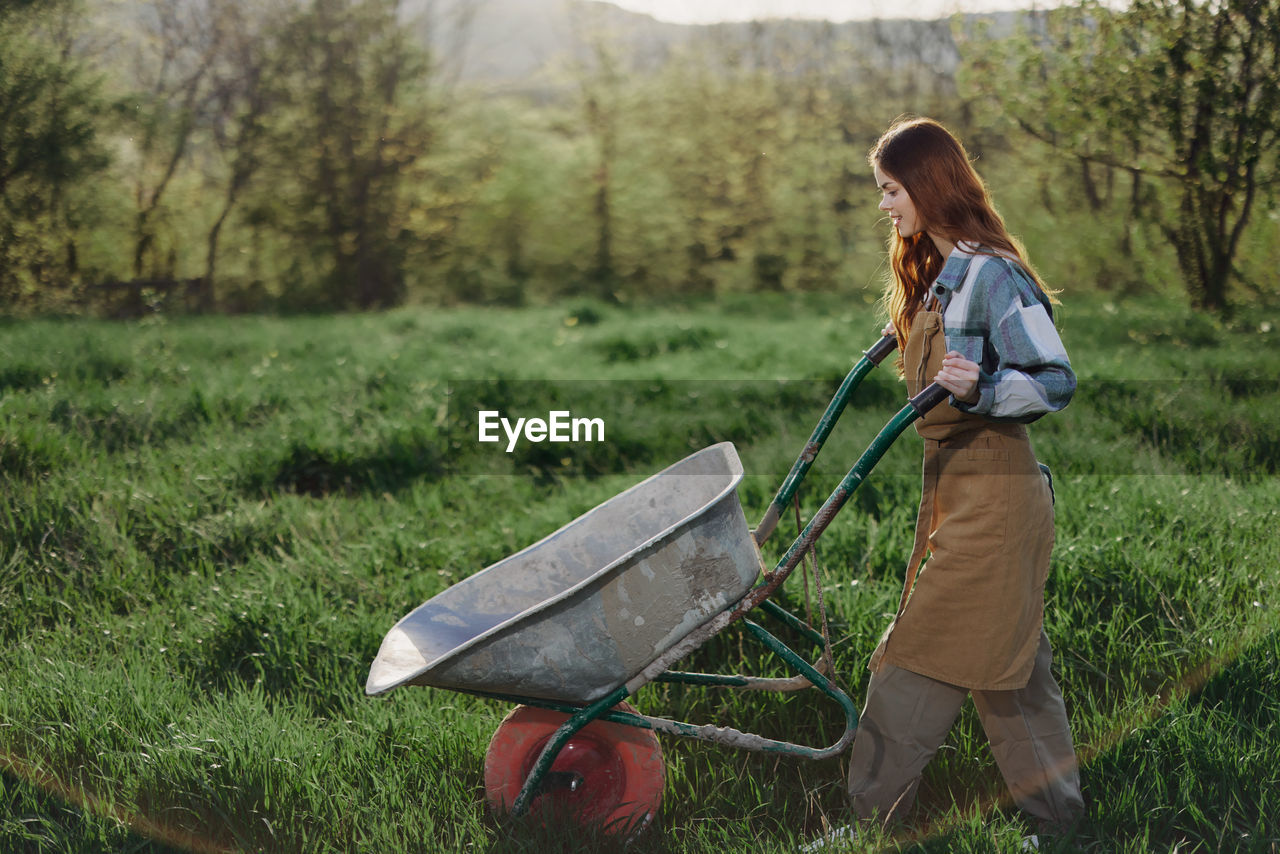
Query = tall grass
x=208 y=525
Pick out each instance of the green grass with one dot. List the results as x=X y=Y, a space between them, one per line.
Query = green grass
x=207 y=525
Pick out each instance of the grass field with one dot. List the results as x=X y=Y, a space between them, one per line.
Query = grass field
x=208 y=524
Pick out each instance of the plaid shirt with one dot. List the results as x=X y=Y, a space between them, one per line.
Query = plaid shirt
x=995 y=315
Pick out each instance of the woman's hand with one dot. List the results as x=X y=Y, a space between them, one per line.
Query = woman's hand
x=959 y=376
x=888 y=330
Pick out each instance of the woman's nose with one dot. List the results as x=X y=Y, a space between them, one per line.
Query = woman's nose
x=884 y=204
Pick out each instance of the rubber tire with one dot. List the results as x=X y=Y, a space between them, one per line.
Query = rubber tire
x=621 y=765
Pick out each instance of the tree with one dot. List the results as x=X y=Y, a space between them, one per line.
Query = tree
x=1182 y=93
x=599 y=76
x=180 y=42
x=49 y=104
x=245 y=88
x=358 y=119
x=691 y=121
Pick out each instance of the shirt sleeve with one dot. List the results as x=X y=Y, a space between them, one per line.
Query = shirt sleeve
x=1024 y=372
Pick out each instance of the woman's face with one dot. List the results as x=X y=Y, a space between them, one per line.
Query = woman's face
x=895 y=201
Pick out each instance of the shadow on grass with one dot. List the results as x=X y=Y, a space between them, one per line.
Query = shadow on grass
x=102 y=423
x=319 y=470
x=37 y=820
x=1203 y=773
x=1198 y=775
x=1225 y=425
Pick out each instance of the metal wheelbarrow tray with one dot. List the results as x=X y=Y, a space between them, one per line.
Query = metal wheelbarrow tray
x=579 y=613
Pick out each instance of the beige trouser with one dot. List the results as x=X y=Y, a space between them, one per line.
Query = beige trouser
x=907 y=717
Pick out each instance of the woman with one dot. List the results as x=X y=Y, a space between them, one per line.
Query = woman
x=970 y=313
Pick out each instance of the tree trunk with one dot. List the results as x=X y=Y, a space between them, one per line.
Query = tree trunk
x=211 y=257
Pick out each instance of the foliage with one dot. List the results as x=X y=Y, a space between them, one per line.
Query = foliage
x=50 y=110
x=316 y=155
x=349 y=133
x=324 y=154
x=1178 y=94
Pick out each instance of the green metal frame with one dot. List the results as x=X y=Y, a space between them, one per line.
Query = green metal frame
x=603 y=709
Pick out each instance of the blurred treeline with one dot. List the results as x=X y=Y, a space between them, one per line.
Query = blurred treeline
x=296 y=155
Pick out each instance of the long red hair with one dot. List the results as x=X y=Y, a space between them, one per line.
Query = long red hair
x=950 y=200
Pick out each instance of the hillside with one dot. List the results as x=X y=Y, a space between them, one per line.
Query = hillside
x=499 y=42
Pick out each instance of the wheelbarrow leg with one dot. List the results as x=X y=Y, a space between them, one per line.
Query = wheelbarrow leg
x=557 y=741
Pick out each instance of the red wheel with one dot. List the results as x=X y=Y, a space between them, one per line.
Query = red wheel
x=608 y=774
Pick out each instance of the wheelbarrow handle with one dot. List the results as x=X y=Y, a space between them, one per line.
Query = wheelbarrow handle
x=881 y=348
x=914 y=410
x=929 y=398
x=870 y=359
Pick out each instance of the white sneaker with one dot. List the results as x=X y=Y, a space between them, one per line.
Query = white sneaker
x=1030 y=843
x=834 y=836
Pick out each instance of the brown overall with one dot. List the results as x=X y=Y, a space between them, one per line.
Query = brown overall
x=970 y=618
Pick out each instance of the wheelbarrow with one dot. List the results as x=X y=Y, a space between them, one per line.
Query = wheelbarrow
x=572 y=625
